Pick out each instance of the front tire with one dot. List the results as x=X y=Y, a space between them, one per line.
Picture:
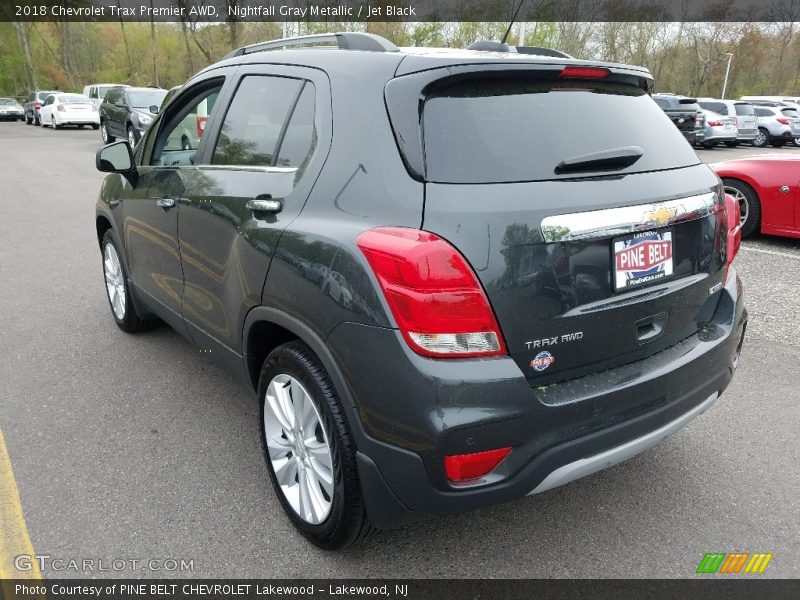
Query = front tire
x=749 y=204
x=309 y=449
x=53 y=123
x=132 y=139
x=117 y=292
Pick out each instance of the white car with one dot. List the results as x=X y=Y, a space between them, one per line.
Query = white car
x=59 y=110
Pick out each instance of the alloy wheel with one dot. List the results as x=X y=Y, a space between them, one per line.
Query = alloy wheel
x=744 y=206
x=299 y=450
x=131 y=138
x=104 y=133
x=761 y=139
x=115 y=281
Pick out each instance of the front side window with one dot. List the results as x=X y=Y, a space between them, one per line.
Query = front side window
x=182 y=129
x=254 y=123
x=763 y=112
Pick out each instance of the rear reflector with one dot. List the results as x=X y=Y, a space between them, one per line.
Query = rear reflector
x=463 y=467
x=584 y=73
x=435 y=297
x=734 y=234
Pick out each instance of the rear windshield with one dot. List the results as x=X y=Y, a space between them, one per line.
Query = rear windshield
x=744 y=110
x=44 y=95
x=717 y=107
x=74 y=99
x=5 y=101
x=790 y=112
x=504 y=130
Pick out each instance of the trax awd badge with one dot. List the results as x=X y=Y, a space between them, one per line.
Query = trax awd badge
x=544 y=359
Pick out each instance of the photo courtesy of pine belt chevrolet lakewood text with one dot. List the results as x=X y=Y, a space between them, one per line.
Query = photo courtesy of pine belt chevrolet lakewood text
x=439 y=298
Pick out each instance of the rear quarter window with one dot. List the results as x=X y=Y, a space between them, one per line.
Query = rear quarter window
x=503 y=130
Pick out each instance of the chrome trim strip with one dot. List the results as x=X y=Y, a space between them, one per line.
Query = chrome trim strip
x=598 y=462
x=255 y=168
x=626 y=219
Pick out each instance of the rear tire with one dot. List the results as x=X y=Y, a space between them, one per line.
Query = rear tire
x=28 y=120
x=762 y=138
x=731 y=144
x=53 y=123
x=778 y=144
x=709 y=145
x=317 y=459
x=95 y=126
x=117 y=290
x=132 y=139
x=105 y=134
x=749 y=204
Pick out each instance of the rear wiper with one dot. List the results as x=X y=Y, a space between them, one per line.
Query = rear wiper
x=612 y=159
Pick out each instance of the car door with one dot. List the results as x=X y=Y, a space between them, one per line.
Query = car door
x=249 y=184
x=151 y=208
x=46 y=112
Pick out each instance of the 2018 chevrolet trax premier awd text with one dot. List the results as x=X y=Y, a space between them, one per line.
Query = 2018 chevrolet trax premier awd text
x=441 y=300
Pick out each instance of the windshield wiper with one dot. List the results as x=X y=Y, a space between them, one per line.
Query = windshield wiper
x=612 y=159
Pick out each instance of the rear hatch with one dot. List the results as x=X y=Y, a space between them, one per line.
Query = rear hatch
x=586 y=216
x=746 y=121
x=684 y=115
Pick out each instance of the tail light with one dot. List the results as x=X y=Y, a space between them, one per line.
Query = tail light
x=60 y=108
x=201 y=125
x=463 y=467
x=733 y=222
x=735 y=121
x=584 y=73
x=37 y=105
x=434 y=295
x=783 y=121
x=715 y=123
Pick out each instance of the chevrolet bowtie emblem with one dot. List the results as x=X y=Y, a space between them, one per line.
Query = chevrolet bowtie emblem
x=660 y=215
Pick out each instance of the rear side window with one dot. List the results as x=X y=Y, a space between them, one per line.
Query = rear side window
x=744 y=110
x=255 y=120
x=763 y=112
x=717 y=107
x=503 y=130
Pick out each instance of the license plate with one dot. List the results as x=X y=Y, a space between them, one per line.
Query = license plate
x=642 y=258
x=728 y=125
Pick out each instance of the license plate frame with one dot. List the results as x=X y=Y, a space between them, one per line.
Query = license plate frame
x=642 y=258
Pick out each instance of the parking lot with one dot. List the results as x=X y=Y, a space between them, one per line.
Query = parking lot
x=140 y=447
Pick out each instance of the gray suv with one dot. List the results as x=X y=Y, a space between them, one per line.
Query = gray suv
x=438 y=299
x=742 y=114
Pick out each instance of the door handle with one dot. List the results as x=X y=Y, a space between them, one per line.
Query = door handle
x=165 y=203
x=264 y=205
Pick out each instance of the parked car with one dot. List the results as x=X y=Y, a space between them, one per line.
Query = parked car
x=787 y=107
x=774 y=127
x=127 y=112
x=719 y=129
x=742 y=113
x=11 y=110
x=34 y=104
x=521 y=311
x=60 y=110
x=683 y=112
x=767 y=190
x=98 y=91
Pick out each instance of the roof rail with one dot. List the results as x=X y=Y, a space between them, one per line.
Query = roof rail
x=540 y=51
x=348 y=40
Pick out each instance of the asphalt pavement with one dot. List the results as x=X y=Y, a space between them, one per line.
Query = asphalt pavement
x=139 y=447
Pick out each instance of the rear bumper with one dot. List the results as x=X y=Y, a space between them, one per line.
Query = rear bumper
x=80 y=119
x=406 y=422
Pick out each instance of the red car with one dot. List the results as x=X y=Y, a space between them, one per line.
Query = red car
x=768 y=191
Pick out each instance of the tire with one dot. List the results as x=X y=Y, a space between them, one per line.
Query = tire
x=796 y=141
x=762 y=138
x=95 y=126
x=105 y=134
x=53 y=123
x=28 y=120
x=131 y=136
x=709 y=145
x=36 y=120
x=778 y=144
x=749 y=204
x=731 y=144
x=116 y=277
x=185 y=143
x=339 y=517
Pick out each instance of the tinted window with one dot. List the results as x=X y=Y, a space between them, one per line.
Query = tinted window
x=112 y=95
x=718 y=107
x=300 y=138
x=661 y=102
x=101 y=91
x=790 y=112
x=502 y=130
x=146 y=99
x=763 y=112
x=254 y=121
x=73 y=99
x=744 y=110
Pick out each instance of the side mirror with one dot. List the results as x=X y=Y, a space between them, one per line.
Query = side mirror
x=153 y=109
x=117 y=158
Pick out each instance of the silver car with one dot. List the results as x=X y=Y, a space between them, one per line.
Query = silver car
x=719 y=128
x=742 y=114
x=777 y=125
